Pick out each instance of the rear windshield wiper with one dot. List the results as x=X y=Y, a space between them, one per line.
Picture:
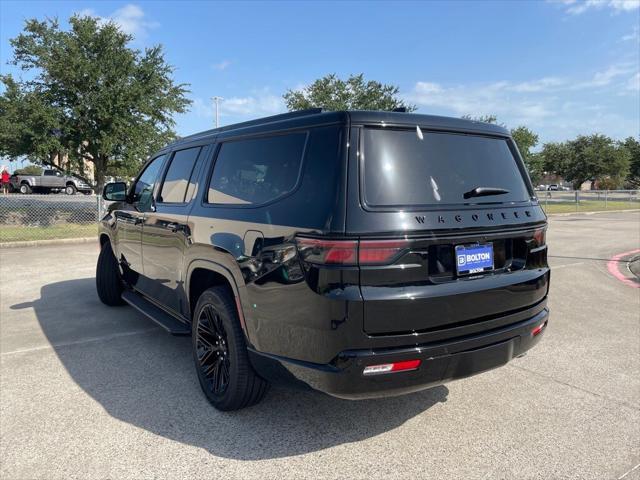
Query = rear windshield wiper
x=484 y=191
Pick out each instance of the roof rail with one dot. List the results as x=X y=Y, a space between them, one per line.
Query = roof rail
x=257 y=121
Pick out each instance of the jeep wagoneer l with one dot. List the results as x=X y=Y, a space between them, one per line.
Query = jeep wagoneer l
x=358 y=253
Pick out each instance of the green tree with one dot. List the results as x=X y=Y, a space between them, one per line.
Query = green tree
x=526 y=140
x=633 y=147
x=29 y=170
x=589 y=158
x=333 y=93
x=555 y=156
x=483 y=118
x=28 y=124
x=88 y=95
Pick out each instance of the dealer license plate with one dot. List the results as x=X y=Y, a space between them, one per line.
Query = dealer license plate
x=476 y=258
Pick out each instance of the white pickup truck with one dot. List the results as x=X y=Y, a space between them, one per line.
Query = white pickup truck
x=49 y=181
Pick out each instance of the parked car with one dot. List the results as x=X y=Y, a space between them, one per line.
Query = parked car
x=50 y=181
x=553 y=187
x=362 y=254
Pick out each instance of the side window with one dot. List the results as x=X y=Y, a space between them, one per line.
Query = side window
x=48 y=173
x=143 y=188
x=174 y=187
x=256 y=171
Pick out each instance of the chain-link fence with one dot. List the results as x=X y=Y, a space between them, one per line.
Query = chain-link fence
x=567 y=201
x=44 y=217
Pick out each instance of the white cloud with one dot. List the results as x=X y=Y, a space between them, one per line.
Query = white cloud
x=577 y=7
x=504 y=99
x=633 y=84
x=130 y=19
x=634 y=36
x=606 y=77
x=542 y=84
x=259 y=104
x=223 y=65
x=556 y=108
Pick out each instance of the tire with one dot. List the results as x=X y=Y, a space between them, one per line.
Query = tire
x=25 y=189
x=220 y=353
x=109 y=284
x=70 y=189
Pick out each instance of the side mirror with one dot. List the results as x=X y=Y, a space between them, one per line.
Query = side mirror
x=115 y=192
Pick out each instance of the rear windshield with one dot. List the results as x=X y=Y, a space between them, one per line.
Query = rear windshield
x=415 y=167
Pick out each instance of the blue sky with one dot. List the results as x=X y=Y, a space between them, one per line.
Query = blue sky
x=561 y=67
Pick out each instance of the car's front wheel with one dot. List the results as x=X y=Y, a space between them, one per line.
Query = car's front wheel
x=70 y=189
x=220 y=353
x=108 y=280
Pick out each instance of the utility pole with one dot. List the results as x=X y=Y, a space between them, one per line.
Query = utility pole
x=217 y=100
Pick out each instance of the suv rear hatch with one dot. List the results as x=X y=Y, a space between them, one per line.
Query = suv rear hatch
x=450 y=234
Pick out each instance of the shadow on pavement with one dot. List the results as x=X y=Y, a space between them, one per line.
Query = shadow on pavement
x=147 y=379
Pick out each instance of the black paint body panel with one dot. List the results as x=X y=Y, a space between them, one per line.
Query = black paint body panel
x=300 y=318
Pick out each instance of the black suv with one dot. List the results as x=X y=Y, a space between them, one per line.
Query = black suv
x=360 y=253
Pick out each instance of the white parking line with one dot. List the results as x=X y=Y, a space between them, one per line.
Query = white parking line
x=80 y=342
x=627 y=473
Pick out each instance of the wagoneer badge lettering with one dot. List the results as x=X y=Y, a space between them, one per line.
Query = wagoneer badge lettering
x=475 y=217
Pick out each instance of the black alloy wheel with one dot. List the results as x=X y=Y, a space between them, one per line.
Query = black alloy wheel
x=225 y=373
x=212 y=350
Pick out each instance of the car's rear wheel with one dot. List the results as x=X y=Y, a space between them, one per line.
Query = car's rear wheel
x=25 y=189
x=220 y=353
x=108 y=280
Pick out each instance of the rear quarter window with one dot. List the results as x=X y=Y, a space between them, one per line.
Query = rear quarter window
x=256 y=171
x=410 y=168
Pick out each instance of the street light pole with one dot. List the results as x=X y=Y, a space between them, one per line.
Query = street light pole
x=217 y=100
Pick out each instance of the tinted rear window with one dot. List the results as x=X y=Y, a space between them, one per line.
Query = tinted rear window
x=402 y=169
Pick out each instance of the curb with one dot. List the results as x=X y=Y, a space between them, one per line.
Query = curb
x=633 y=265
x=614 y=268
x=591 y=213
x=44 y=243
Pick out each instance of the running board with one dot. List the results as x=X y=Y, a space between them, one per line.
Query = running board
x=170 y=323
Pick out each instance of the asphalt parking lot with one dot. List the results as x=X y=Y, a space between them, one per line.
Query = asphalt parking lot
x=88 y=391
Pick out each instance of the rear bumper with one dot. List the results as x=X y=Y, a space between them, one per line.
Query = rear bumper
x=440 y=362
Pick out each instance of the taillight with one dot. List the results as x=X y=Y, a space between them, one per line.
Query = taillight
x=332 y=252
x=540 y=236
x=377 y=252
x=349 y=252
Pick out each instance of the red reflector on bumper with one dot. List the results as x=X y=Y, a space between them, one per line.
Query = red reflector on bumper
x=392 y=367
x=538 y=329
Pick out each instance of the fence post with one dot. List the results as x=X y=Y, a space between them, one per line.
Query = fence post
x=606 y=194
x=577 y=194
x=546 y=202
x=99 y=204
